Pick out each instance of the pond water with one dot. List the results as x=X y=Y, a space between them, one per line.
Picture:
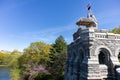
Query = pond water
x=4 y=73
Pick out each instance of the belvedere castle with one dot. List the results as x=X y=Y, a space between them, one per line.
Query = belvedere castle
x=93 y=55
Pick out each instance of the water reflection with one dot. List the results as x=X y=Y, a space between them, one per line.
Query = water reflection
x=4 y=73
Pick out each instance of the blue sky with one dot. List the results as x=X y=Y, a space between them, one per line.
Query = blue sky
x=26 y=21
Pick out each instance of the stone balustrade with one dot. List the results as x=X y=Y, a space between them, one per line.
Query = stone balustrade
x=86 y=34
x=107 y=36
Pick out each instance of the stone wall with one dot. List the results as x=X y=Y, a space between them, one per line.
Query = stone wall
x=84 y=53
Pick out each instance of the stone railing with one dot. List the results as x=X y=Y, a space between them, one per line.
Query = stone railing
x=91 y=34
x=107 y=36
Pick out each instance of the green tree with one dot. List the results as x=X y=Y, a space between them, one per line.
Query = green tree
x=115 y=30
x=2 y=56
x=60 y=45
x=15 y=51
x=13 y=63
x=36 y=54
x=5 y=58
x=57 y=58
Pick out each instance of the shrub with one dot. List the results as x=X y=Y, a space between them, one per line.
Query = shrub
x=39 y=73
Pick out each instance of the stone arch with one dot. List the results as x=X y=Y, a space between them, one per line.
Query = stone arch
x=97 y=50
x=104 y=56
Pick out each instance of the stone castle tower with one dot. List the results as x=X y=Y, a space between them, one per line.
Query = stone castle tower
x=93 y=55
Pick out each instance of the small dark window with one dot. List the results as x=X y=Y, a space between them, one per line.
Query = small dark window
x=90 y=15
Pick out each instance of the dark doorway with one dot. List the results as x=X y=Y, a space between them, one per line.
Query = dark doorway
x=101 y=58
x=104 y=56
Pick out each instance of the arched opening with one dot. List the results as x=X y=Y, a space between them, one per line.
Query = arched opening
x=104 y=56
x=101 y=58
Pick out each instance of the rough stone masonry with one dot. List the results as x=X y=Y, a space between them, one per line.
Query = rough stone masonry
x=93 y=54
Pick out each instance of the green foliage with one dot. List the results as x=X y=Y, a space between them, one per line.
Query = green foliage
x=41 y=76
x=57 y=58
x=5 y=58
x=13 y=63
x=1 y=58
x=11 y=60
x=39 y=53
x=15 y=52
x=57 y=67
x=115 y=30
x=15 y=74
x=8 y=58
x=37 y=48
x=36 y=54
x=60 y=45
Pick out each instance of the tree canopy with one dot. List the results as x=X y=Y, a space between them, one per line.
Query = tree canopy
x=57 y=58
x=115 y=30
x=36 y=53
x=38 y=61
